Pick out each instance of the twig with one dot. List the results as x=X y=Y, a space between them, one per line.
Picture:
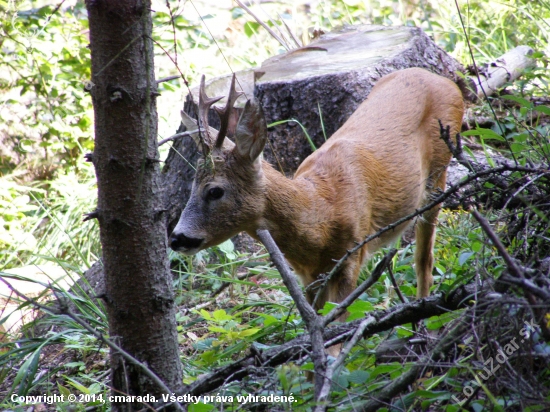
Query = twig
x=327 y=383
x=177 y=136
x=290 y=281
x=314 y=323
x=384 y=396
x=261 y=23
x=292 y=35
x=395 y=287
x=513 y=267
x=527 y=285
x=167 y=79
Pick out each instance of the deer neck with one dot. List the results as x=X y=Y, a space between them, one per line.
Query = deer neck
x=293 y=215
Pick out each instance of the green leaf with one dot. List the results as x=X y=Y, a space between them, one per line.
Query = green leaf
x=520 y=100
x=476 y=246
x=543 y=109
x=205 y=314
x=228 y=249
x=77 y=385
x=270 y=320
x=248 y=332
x=218 y=329
x=250 y=28
x=209 y=357
x=63 y=390
x=327 y=308
x=360 y=306
x=221 y=315
x=486 y=134
x=464 y=257
x=389 y=368
x=200 y=407
x=358 y=377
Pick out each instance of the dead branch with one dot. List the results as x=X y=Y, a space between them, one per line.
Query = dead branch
x=177 y=136
x=518 y=273
x=314 y=323
x=401 y=384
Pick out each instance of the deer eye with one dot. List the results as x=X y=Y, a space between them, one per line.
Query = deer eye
x=214 y=193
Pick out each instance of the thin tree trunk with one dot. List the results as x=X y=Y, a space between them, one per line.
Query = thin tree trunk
x=138 y=284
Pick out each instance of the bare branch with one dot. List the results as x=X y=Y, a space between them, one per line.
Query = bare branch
x=265 y=26
x=167 y=79
x=314 y=323
x=290 y=281
x=177 y=136
x=514 y=269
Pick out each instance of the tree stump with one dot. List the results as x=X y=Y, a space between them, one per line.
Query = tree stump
x=319 y=86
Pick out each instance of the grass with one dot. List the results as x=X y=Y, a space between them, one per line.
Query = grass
x=230 y=301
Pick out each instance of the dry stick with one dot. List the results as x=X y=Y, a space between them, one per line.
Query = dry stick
x=397 y=386
x=177 y=136
x=395 y=287
x=290 y=281
x=512 y=266
x=528 y=285
x=64 y=310
x=515 y=270
x=167 y=79
x=265 y=26
x=327 y=383
x=314 y=323
x=292 y=35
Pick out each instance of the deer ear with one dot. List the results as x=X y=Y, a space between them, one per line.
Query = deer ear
x=251 y=132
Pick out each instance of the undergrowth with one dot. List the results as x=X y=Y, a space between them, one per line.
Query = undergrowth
x=230 y=301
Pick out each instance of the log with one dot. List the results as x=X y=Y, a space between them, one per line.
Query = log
x=507 y=68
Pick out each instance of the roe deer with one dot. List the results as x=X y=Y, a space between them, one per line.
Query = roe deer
x=381 y=165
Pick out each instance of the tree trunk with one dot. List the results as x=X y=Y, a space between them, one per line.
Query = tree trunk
x=138 y=283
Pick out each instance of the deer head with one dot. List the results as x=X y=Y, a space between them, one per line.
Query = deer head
x=227 y=196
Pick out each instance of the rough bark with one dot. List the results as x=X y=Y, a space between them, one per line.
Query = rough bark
x=138 y=284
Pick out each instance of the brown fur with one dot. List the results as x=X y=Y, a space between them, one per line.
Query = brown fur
x=380 y=166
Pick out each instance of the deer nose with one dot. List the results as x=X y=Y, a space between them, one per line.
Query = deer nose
x=179 y=241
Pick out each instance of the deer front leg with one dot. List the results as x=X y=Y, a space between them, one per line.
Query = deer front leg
x=425 y=240
x=337 y=289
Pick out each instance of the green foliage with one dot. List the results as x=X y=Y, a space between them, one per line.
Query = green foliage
x=43 y=221
x=44 y=70
x=232 y=303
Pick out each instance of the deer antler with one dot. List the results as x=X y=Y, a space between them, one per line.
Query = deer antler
x=226 y=112
x=204 y=106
